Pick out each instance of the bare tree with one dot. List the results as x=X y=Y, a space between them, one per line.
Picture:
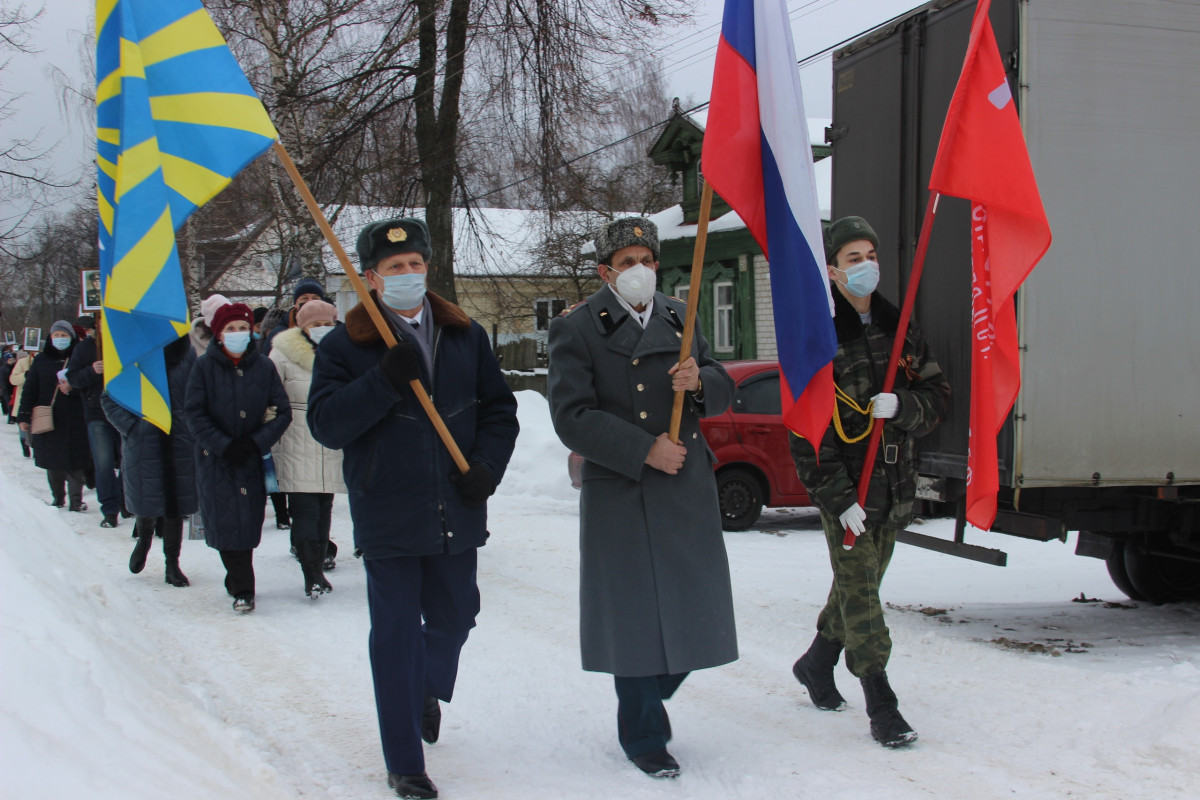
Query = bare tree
x=530 y=67
x=368 y=97
x=25 y=178
x=42 y=280
x=329 y=72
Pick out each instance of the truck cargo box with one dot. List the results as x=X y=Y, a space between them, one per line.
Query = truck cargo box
x=1105 y=436
x=1109 y=322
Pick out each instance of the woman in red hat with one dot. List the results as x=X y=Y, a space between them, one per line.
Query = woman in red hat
x=237 y=409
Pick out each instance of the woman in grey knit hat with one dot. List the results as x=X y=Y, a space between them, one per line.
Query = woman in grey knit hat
x=62 y=452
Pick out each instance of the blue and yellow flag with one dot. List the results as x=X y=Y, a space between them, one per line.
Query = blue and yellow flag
x=176 y=119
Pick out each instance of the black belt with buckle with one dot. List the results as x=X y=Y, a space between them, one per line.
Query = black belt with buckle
x=891 y=453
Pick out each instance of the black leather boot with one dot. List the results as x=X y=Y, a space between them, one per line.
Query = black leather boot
x=814 y=669
x=321 y=555
x=172 y=533
x=145 y=538
x=431 y=720
x=887 y=726
x=412 y=787
x=310 y=555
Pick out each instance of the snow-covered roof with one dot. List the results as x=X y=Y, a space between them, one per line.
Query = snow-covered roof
x=487 y=241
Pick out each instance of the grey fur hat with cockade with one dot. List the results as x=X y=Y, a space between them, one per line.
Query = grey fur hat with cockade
x=625 y=232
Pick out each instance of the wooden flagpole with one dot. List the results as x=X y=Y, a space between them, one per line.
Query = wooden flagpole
x=889 y=381
x=385 y=330
x=689 y=322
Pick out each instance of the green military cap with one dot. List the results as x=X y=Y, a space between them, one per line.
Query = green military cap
x=390 y=236
x=845 y=230
x=625 y=232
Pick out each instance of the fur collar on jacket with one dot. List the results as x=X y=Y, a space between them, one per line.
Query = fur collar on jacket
x=363 y=332
x=847 y=322
x=297 y=347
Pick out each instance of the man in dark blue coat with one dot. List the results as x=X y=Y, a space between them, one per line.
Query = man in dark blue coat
x=418 y=521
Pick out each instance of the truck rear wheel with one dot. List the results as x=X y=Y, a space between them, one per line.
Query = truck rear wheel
x=1161 y=578
x=1116 y=570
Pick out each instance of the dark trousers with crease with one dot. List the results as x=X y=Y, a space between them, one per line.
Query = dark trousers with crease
x=410 y=659
x=641 y=724
x=239 y=572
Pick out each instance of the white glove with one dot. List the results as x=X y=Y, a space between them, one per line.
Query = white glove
x=886 y=406
x=855 y=519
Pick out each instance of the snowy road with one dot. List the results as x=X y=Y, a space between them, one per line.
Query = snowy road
x=119 y=686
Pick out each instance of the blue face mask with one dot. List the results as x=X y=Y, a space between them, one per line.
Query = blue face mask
x=257 y=336
x=236 y=342
x=862 y=278
x=403 y=292
x=60 y=342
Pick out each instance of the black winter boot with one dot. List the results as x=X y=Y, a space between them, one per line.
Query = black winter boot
x=322 y=560
x=172 y=534
x=887 y=726
x=814 y=669
x=145 y=538
x=310 y=555
x=431 y=719
x=412 y=787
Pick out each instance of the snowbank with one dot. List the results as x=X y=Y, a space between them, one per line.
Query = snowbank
x=89 y=702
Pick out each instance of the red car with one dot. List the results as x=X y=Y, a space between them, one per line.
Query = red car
x=754 y=466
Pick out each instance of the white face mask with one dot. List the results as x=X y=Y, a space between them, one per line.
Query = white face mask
x=236 y=342
x=636 y=285
x=318 y=333
x=862 y=278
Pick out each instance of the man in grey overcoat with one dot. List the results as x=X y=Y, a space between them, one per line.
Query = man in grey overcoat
x=655 y=597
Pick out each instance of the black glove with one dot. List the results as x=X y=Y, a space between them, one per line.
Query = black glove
x=241 y=450
x=400 y=365
x=475 y=485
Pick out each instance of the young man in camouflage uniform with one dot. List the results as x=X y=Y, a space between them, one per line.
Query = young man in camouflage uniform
x=853 y=616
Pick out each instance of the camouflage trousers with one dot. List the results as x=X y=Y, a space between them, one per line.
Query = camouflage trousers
x=853 y=614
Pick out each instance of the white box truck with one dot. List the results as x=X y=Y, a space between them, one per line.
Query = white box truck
x=1105 y=436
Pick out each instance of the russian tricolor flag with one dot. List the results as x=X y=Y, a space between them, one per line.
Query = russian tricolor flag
x=757 y=156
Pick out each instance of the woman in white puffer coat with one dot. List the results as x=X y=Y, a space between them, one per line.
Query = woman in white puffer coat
x=308 y=473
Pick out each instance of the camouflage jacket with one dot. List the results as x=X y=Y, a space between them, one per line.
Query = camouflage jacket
x=859 y=370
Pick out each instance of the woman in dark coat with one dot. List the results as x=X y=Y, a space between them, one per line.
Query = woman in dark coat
x=62 y=452
x=159 y=469
x=237 y=409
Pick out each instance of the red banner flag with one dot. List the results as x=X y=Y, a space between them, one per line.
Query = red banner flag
x=982 y=157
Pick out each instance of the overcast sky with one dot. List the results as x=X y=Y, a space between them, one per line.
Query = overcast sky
x=686 y=53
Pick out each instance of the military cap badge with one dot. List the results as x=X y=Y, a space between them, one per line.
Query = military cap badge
x=397 y=235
